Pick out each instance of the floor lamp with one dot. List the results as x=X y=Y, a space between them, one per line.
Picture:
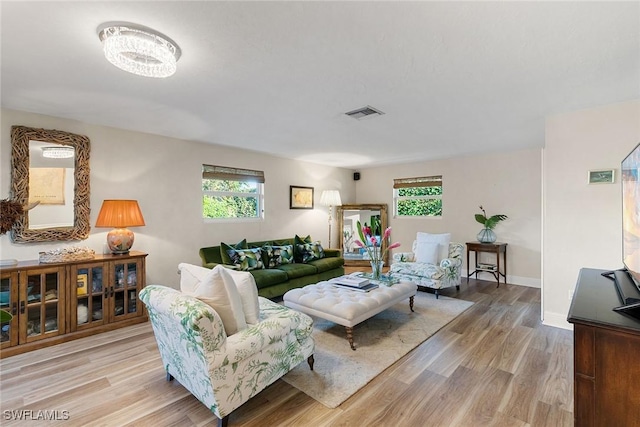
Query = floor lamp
x=330 y=198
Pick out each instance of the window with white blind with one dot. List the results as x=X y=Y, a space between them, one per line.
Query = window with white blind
x=418 y=197
x=231 y=193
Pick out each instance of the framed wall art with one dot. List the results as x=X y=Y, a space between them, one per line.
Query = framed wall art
x=602 y=176
x=300 y=197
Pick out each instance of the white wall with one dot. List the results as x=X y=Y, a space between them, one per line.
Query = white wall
x=164 y=175
x=582 y=223
x=503 y=183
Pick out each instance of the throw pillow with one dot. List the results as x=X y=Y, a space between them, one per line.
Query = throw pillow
x=441 y=239
x=286 y=253
x=225 y=247
x=190 y=276
x=271 y=257
x=297 y=241
x=310 y=251
x=246 y=285
x=427 y=252
x=223 y=298
x=246 y=259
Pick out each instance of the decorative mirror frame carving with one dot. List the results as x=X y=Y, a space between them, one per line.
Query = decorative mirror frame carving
x=340 y=217
x=20 y=137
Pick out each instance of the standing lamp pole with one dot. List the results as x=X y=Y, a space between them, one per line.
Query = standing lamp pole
x=330 y=198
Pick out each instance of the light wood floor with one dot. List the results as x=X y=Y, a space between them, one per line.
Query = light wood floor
x=495 y=365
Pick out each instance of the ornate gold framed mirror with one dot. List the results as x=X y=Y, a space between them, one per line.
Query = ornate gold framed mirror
x=50 y=169
x=374 y=215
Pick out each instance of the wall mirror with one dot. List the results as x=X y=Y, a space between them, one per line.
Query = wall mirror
x=348 y=216
x=50 y=169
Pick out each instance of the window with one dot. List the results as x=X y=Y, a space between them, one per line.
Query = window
x=231 y=193
x=418 y=197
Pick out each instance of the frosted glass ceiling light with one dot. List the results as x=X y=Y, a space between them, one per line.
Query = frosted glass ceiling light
x=139 y=50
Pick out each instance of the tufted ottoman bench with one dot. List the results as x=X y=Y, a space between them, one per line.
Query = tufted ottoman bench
x=346 y=307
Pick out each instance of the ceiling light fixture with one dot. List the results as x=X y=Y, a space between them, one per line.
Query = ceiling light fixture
x=55 y=152
x=139 y=50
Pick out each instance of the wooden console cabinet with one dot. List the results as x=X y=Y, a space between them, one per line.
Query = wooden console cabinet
x=53 y=303
x=606 y=355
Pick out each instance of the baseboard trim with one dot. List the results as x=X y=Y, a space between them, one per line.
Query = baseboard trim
x=514 y=280
x=556 y=320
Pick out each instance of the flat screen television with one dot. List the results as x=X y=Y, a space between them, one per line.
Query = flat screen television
x=628 y=280
x=631 y=214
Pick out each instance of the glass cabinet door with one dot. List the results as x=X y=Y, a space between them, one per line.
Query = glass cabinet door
x=125 y=289
x=42 y=304
x=90 y=294
x=9 y=303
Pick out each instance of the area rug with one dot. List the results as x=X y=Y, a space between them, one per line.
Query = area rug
x=339 y=372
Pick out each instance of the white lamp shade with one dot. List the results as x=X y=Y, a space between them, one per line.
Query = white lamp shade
x=330 y=198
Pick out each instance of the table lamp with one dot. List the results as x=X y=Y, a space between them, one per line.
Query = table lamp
x=120 y=214
x=330 y=198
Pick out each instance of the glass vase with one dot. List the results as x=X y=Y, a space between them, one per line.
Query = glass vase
x=376 y=269
x=486 y=235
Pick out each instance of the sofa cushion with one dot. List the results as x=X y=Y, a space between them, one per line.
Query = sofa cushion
x=225 y=247
x=246 y=285
x=310 y=251
x=246 y=259
x=223 y=297
x=273 y=256
x=269 y=277
x=327 y=263
x=442 y=240
x=427 y=252
x=298 y=270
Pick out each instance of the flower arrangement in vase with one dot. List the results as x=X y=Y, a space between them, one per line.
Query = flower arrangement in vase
x=486 y=235
x=377 y=250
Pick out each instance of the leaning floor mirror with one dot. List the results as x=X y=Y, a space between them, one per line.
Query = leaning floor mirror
x=50 y=180
x=373 y=215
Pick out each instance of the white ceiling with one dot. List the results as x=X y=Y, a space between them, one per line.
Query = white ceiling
x=453 y=78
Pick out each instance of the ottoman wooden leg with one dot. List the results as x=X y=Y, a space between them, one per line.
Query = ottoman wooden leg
x=310 y=361
x=350 y=337
x=411 y=303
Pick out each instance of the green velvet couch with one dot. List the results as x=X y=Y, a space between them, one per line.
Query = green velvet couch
x=274 y=282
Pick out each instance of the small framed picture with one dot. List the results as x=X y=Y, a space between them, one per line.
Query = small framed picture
x=82 y=284
x=602 y=176
x=300 y=197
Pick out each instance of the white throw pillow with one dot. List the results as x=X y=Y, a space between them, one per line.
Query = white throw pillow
x=442 y=239
x=190 y=276
x=223 y=298
x=246 y=285
x=427 y=252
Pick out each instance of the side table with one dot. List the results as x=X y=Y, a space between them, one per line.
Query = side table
x=496 y=248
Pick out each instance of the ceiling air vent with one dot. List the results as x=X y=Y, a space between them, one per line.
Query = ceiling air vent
x=363 y=112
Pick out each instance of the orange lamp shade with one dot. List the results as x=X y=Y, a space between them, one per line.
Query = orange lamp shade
x=120 y=214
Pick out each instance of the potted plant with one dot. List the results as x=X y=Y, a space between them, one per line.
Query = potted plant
x=486 y=235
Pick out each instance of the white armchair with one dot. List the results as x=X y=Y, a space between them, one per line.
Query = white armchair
x=224 y=371
x=435 y=271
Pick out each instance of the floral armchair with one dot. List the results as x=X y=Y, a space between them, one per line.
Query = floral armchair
x=224 y=371
x=443 y=273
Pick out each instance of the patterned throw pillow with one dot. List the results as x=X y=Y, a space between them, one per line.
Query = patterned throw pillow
x=286 y=253
x=310 y=251
x=297 y=242
x=271 y=256
x=246 y=259
x=225 y=247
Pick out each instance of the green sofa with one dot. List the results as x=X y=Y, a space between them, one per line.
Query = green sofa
x=274 y=282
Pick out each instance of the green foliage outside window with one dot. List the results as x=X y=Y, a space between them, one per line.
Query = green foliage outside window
x=412 y=201
x=229 y=199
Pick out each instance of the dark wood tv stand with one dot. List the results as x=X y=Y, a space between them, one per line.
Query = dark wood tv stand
x=606 y=355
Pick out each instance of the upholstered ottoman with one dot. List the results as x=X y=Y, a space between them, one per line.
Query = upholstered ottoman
x=346 y=307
